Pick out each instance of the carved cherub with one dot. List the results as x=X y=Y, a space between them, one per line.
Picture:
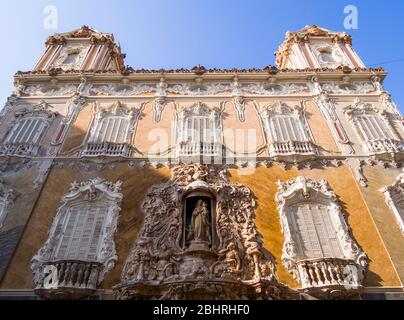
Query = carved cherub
x=231 y=256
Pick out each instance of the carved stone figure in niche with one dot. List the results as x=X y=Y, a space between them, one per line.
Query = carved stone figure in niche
x=199 y=241
x=200 y=228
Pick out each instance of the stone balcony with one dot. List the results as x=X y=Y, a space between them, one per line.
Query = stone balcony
x=386 y=146
x=191 y=149
x=109 y=149
x=295 y=149
x=68 y=279
x=19 y=149
x=329 y=275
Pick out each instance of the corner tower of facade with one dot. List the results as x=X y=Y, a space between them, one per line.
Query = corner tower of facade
x=315 y=47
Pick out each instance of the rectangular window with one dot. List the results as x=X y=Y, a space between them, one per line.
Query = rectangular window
x=26 y=131
x=373 y=127
x=111 y=129
x=286 y=128
x=199 y=129
x=82 y=233
x=314 y=231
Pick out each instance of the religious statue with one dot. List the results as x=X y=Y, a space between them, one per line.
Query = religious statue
x=199 y=230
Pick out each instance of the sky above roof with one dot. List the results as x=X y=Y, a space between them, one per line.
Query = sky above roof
x=217 y=34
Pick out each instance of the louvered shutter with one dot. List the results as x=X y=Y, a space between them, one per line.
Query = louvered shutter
x=27 y=131
x=373 y=127
x=82 y=233
x=314 y=231
x=111 y=129
x=284 y=128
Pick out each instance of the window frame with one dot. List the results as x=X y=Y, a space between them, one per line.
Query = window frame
x=304 y=190
x=95 y=190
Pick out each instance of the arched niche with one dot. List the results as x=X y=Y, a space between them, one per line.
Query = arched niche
x=191 y=204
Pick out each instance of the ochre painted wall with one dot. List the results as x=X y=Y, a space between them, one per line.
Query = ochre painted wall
x=320 y=130
x=378 y=179
x=138 y=180
x=263 y=184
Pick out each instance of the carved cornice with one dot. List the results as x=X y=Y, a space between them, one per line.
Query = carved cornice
x=271 y=70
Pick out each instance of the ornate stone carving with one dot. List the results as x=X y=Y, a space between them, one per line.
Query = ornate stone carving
x=43 y=109
x=158 y=104
x=274 y=90
x=113 y=90
x=239 y=105
x=63 y=61
x=350 y=88
x=357 y=167
x=42 y=91
x=199 y=89
x=7 y=198
x=329 y=273
x=89 y=191
x=395 y=199
x=161 y=265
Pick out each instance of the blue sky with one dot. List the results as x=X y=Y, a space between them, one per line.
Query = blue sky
x=215 y=33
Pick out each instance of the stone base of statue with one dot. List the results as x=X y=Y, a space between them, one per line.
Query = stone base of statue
x=196 y=245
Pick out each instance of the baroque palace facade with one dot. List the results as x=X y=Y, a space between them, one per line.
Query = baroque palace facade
x=277 y=183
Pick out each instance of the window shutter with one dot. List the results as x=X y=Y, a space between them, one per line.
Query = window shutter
x=82 y=233
x=373 y=127
x=111 y=129
x=27 y=131
x=315 y=232
x=284 y=128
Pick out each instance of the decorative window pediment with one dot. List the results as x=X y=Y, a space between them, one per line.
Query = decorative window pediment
x=41 y=110
x=28 y=127
x=199 y=131
x=287 y=130
x=319 y=249
x=112 y=130
x=374 y=128
x=80 y=248
x=395 y=199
